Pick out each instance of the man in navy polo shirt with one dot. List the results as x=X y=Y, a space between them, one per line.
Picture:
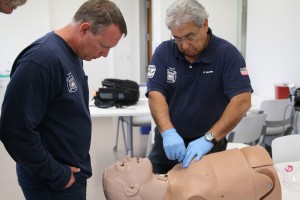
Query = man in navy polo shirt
x=198 y=89
x=45 y=121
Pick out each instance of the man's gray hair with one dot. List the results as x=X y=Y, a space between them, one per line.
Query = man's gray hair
x=183 y=11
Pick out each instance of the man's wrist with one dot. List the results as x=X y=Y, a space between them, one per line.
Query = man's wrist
x=210 y=137
x=168 y=131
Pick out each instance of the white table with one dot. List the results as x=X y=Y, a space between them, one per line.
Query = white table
x=289 y=176
x=139 y=109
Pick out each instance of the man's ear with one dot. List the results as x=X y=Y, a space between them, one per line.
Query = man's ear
x=132 y=190
x=84 y=27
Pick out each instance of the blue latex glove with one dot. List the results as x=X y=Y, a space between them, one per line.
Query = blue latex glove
x=198 y=148
x=173 y=145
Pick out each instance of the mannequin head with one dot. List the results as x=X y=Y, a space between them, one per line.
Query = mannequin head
x=132 y=178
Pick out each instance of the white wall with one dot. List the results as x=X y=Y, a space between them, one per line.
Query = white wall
x=273 y=44
x=127 y=52
x=37 y=17
x=22 y=27
x=222 y=19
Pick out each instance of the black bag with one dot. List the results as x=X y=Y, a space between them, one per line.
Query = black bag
x=117 y=92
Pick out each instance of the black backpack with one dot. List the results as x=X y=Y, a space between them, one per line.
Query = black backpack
x=117 y=92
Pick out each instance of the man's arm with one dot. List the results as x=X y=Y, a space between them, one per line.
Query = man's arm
x=232 y=115
x=172 y=142
x=159 y=110
x=234 y=112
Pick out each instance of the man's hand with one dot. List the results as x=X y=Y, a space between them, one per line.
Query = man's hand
x=199 y=148
x=72 y=179
x=173 y=145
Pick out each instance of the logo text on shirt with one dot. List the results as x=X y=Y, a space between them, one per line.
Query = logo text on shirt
x=171 y=75
x=71 y=83
x=208 y=72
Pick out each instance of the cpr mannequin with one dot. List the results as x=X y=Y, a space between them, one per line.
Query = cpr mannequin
x=233 y=174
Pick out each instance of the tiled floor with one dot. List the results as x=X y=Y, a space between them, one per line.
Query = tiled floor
x=102 y=155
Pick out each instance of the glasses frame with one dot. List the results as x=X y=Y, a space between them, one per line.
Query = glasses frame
x=189 y=37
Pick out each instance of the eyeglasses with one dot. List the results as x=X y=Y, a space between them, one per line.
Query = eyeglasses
x=189 y=37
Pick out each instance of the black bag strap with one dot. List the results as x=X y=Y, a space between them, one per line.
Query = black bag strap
x=122 y=84
x=101 y=104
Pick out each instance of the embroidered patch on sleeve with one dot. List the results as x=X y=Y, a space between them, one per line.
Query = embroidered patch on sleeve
x=71 y=83
x=151 y=71
x=244 y=71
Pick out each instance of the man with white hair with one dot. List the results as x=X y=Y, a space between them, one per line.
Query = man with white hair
x=198 y=89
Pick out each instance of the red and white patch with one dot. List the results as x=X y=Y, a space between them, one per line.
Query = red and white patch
x=244 y=71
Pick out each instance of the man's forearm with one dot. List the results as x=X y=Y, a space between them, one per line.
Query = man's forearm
x=159 y=110
x=232 y=115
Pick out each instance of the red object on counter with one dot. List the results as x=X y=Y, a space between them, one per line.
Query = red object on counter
x=282 y=91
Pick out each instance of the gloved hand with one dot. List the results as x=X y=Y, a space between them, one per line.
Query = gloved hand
x=199 y=148
x=173 y=145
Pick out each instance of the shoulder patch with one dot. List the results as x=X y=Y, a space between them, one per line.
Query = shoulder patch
x=71 y=83
x=151 y=71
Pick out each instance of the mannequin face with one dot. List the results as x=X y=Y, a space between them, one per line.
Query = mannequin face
x=124 y=179
x=132 y=170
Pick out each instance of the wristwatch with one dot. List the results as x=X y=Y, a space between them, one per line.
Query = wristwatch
x=209 y=136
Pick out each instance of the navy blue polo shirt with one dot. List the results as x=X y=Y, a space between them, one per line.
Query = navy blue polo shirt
x=198 y=93
x=45 y=121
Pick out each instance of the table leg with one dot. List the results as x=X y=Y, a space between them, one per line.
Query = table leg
x=129 y=141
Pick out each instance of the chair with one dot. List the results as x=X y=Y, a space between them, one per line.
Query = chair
x=286 y=148
x=247 y=132
x=278 y=121
x=296 y=123
x=136 y=120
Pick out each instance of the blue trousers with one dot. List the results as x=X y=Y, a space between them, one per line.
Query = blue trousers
x=76 y=192
x=36 y=190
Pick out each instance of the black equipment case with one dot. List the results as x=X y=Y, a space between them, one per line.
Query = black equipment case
x=117 y=92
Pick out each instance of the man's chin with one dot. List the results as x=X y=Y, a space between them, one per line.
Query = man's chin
x=190 y=54
x=87 y=59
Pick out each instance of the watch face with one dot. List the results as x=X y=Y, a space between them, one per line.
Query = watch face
x=209 y=136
